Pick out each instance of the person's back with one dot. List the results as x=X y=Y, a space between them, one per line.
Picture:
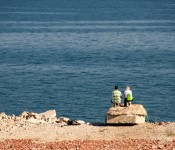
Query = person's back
x=128 y=96
x=116 y=97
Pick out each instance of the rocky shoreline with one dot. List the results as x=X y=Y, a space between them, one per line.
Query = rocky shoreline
x=31 y=118
x=45 y=131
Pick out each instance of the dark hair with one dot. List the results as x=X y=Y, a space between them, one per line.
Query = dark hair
x=116 y=87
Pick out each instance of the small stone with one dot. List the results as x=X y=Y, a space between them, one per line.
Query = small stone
x=77 y=122
x=64 y=119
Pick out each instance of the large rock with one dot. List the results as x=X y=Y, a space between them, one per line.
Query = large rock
x=133 y=114
x=48 y=116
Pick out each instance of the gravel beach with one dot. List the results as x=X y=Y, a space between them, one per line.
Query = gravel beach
x=90 y=137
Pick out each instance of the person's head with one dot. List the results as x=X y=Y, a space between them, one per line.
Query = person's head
x=116 y=87
x=128 y=88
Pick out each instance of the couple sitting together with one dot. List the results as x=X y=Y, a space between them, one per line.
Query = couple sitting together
x=117 y=97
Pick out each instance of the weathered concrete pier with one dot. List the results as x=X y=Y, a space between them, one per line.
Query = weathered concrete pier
x=133 y=114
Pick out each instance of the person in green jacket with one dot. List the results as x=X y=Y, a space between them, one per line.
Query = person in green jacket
x=116 y=97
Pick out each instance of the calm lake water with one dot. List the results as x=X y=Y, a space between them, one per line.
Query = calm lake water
x=69 y=55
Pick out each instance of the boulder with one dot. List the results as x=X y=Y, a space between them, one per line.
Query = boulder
x=133 y=114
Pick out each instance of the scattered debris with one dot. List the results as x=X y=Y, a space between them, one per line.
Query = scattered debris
x=30 y=119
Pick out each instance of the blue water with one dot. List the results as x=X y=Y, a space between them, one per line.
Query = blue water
x=69 y=55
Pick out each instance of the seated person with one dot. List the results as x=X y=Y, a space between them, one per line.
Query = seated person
x=116 y=97
x=128 y=96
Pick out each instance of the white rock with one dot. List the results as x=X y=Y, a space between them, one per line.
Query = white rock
x=48 y=114
x=79 y=122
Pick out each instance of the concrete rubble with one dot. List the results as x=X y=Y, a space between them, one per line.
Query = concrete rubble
x=133 y=114
x=27 y=119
